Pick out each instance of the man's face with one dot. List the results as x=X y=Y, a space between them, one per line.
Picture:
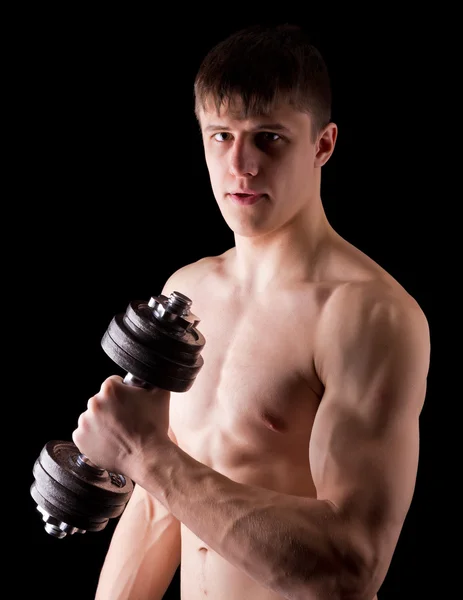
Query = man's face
x=272 y=156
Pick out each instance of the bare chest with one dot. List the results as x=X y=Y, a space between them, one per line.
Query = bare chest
x=254 y=401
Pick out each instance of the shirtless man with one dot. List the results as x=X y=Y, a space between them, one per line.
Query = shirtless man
x=288 y=468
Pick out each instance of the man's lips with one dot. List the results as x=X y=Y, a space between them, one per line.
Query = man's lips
x=245 y=198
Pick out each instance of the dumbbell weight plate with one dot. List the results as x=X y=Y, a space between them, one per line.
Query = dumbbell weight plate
x=74 y=492
x=162 y=356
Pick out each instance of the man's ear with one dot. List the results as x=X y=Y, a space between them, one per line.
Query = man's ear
x=325 y=144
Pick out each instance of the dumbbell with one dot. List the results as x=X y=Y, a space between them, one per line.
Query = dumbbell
x=158 y=344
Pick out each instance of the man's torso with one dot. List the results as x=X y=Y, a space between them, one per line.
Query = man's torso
x=250 y=411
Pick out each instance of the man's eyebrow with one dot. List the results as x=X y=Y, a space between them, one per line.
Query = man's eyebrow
x=260 y=127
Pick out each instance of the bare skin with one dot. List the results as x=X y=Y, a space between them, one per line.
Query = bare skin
x=314 y=377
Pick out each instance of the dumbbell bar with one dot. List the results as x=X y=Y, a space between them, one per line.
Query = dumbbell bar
x=158 y=344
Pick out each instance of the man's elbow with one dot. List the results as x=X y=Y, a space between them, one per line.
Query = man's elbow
x=360 y=573
x=355 y=568
x=347 y=575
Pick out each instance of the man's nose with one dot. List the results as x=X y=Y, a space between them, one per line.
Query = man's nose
x=244 y=160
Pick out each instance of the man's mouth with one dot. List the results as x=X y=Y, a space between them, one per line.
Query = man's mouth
x=246 y=198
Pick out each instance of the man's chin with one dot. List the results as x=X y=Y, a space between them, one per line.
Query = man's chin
x=247 y=226
x=248 y=231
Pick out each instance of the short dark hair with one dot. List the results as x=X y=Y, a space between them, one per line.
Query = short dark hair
x=262 y=64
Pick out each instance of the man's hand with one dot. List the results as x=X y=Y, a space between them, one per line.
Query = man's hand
x=123 y=425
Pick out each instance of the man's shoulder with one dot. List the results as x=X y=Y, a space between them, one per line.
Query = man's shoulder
x=372 y=306
x=361 y=297
x=362 y=319
x=190 y=276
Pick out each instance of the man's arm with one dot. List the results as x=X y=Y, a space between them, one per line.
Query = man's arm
x=144 y=552
x=373 y=355
x=373 y=358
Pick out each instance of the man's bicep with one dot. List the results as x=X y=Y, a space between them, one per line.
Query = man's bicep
x=368 y=472
x=365 y=440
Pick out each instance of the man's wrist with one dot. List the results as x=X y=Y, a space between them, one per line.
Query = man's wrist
x=152 y=470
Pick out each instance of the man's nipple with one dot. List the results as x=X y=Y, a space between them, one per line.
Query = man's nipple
x=273 y=422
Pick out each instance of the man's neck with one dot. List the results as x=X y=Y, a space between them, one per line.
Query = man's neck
x=289 y=254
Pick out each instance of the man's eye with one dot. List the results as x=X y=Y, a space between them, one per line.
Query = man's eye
x=268 y=136
x=222 y=133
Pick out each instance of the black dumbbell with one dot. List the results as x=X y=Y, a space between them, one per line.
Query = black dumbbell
x=158 y=344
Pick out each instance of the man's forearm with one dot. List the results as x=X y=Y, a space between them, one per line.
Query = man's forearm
x=285 y=543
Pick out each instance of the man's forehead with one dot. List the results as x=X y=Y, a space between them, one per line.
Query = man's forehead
x=281 y=115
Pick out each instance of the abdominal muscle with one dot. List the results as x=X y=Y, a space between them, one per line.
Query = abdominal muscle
x=206 y=574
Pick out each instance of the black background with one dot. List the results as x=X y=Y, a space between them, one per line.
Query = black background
x=112 y=195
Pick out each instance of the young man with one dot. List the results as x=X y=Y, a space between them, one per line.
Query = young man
x=288 y=468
